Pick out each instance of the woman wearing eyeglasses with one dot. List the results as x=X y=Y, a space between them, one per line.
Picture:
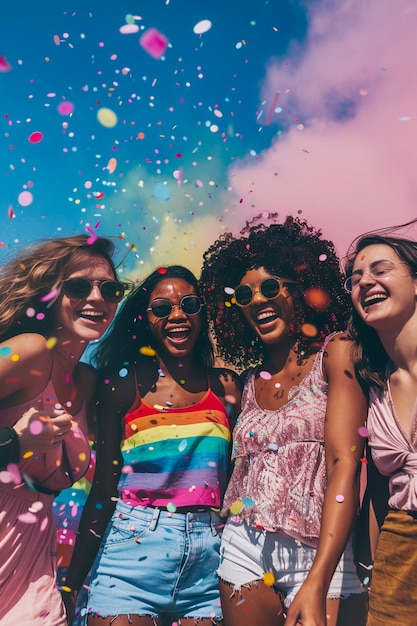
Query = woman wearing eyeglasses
x=164 y=422
x=382 y=279
x=56 y=296
x=275 y=301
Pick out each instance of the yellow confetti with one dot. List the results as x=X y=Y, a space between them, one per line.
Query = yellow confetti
x=147 y=351
x=269 y=579
x=236 y=507
x=51 y=342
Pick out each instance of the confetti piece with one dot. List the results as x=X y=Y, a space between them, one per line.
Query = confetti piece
x=129 y=29
x=65 y=108
x=27 y=518
x=154 y=42
x=50 y=296
x=10 y=212
x=107 y=117
x=202 y=27
x=340 y=498
x=111 y=165
x=147 y=351
x=25 y=198
x=265 y=375
x=35 y=137
x=36 y=427
x=363 y=431
x=5 y=351
x=236 y=507
x=171 y=507
x=4 y=64
x=269 y=579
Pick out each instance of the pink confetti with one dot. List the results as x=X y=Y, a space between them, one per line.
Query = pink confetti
x=363 y=431
x=65 y=108
x=35 y=137
x=27 y=518
x=25 y=198
x=4 y=64
x=265 y=375
x=340 y=498
x=272 y=109
x=50 y=296
x=154 y=42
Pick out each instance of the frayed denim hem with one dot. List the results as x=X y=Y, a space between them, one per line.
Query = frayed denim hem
x=236 y=589
x=113 y=618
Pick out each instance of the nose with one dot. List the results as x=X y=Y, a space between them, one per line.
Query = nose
x=177 y=312
x=366 y=278
x=95 y=293
x=257 y=295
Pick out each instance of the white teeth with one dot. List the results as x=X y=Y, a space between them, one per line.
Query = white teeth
x=375 y=297
x=263 y=316
x=91 y=313
x=178 y=330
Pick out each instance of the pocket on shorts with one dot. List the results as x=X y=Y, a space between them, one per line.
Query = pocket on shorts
x=125 y=529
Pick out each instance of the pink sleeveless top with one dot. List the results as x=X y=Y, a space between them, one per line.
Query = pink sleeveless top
x=395 y=455
x=49 y=469
x=28 y=590
x=280 y=474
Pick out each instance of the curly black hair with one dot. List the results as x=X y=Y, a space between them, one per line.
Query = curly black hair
x=130 y=330
x=292 y=249
x=369 y=356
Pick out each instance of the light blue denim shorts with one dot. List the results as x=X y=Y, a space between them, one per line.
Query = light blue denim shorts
x=246 y=554
x=156 y=563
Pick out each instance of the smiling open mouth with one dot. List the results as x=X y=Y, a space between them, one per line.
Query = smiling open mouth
x=178 y=334
x=374 y=298
x=264 y=317
x=97 y=316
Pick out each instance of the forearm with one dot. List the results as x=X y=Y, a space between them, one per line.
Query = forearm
x=339 y=510
x=9 y=447
x=95 y=517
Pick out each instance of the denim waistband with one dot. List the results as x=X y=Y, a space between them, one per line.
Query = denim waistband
x=156 y=515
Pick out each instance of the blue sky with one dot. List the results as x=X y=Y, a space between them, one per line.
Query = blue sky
x=201 y=130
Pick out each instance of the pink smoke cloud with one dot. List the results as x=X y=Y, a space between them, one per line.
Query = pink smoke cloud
x=349 y=99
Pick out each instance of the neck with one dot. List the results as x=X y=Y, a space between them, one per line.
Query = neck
x=401 y=345
x=178 y=368
x=278 y=355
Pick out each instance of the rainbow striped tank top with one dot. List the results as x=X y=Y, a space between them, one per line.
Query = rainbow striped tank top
x=176 y=456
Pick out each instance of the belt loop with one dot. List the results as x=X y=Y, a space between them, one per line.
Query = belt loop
x=155 y=518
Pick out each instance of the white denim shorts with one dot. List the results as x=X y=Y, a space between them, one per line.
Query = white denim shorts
x=247 y=553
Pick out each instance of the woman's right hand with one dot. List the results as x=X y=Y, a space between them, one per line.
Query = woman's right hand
x=39 y=430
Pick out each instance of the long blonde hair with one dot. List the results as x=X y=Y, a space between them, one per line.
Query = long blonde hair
x=27 y=282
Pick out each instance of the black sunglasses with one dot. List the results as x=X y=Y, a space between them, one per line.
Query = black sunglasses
x=269 y=288
x=80 y=288
x=162 y=307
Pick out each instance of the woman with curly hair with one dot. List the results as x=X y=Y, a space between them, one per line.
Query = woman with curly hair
x=276 y=303
x=381 y=272
x=164 y=429
x=57 y=295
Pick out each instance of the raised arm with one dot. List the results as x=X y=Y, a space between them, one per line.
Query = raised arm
x=345 y=414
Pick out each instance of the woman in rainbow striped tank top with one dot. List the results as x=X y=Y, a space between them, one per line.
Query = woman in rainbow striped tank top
x=164 y=430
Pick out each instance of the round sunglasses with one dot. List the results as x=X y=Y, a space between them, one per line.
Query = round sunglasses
x=269 y=288
x=80 y=288
x=162 y=307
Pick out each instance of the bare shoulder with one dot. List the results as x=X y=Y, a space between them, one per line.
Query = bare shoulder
x=225 y=382
x=27 y=368
x=27 y=344
x=338 y=351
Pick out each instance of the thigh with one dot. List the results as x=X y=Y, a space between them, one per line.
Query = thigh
x=253 y=604
x=347 y=611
